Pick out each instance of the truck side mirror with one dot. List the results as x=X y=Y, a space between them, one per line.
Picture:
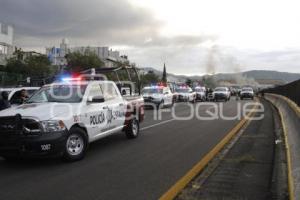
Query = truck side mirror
x=97 y=99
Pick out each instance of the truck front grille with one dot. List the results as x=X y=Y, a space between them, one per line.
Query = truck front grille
x=15 y=125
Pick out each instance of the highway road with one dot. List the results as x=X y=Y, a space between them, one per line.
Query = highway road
x=117 y=168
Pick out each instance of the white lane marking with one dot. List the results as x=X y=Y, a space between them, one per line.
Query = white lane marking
x=157 y=124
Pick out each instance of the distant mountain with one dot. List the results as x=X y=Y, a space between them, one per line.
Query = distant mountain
x=284 y=77
x=272 y=75
x=171 y=77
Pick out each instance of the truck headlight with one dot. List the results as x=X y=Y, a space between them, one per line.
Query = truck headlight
x=53 y=125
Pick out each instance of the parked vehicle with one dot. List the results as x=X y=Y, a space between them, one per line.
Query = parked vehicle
x=186 y=94
x=247 y=93
x=159 y=96
x=221 y=93
x=63 y=118
x=200 y=93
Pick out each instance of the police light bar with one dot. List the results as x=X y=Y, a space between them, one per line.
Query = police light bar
x=159 y=85
x=67 y=79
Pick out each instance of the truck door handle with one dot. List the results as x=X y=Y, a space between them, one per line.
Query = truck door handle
x=105 y=107
x=121 y=104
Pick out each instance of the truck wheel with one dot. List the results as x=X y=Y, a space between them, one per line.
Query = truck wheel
x=194 y=100
x=133 y=129
x=160 y=105
x=76 y=145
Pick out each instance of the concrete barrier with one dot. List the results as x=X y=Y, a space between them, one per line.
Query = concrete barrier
x=290 y=117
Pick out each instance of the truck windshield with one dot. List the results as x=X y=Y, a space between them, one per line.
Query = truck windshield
x=220 y=90
x=59 y=94
x=199 y=90
x=183 y=90
x=152 y=91
x=247 y=90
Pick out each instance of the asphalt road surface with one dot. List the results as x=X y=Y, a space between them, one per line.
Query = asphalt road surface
x=117 y=168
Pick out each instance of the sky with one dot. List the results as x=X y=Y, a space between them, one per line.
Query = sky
x=192 y=37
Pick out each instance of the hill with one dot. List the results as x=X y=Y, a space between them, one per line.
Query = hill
x=284 y=77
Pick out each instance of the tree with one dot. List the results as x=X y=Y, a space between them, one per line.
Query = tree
x=14 y=65
x=164 y=76
x=150 y=77
x=38 y=66
x=78 y=62
x=32 y=66
x=188 y=82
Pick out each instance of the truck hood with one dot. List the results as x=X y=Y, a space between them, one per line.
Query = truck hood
x=41 y=111
x=247 y=92
x=155 y=95
x=201 y=93
x=184 y=93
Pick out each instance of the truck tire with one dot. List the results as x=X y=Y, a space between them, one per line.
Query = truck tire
x=133 y=129
x=160 y=105
x=76 y=145
x=173 y=102
x=194 y=100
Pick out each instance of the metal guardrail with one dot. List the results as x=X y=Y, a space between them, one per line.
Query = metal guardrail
x=291 y=91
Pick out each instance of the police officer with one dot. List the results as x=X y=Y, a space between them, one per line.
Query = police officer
x=4 y=103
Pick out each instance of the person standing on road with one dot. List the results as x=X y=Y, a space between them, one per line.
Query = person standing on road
x=4 y=103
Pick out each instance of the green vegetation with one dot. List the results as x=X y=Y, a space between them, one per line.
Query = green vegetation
x=78 y=62
x=149 y=78
x=28 y=65
x=189 y=82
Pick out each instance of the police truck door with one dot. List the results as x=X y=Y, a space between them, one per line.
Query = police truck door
x=95 y=116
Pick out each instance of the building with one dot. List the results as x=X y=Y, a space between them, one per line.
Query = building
x=108 y=56
x=6 y=42
x=27 y=54
x=57 y=55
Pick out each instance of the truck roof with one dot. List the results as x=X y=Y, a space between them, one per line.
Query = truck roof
x=76 y=82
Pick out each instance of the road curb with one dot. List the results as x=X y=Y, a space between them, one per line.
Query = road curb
x=196 y=169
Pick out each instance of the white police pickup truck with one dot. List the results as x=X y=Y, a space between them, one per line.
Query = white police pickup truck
x=63 y=118
x=221 y=93
x=186 y=94
x=159 y=96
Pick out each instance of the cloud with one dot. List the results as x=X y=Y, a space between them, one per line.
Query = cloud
x=181 y=40
x=41 y=23
x=196 y=60
x=105 y=21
